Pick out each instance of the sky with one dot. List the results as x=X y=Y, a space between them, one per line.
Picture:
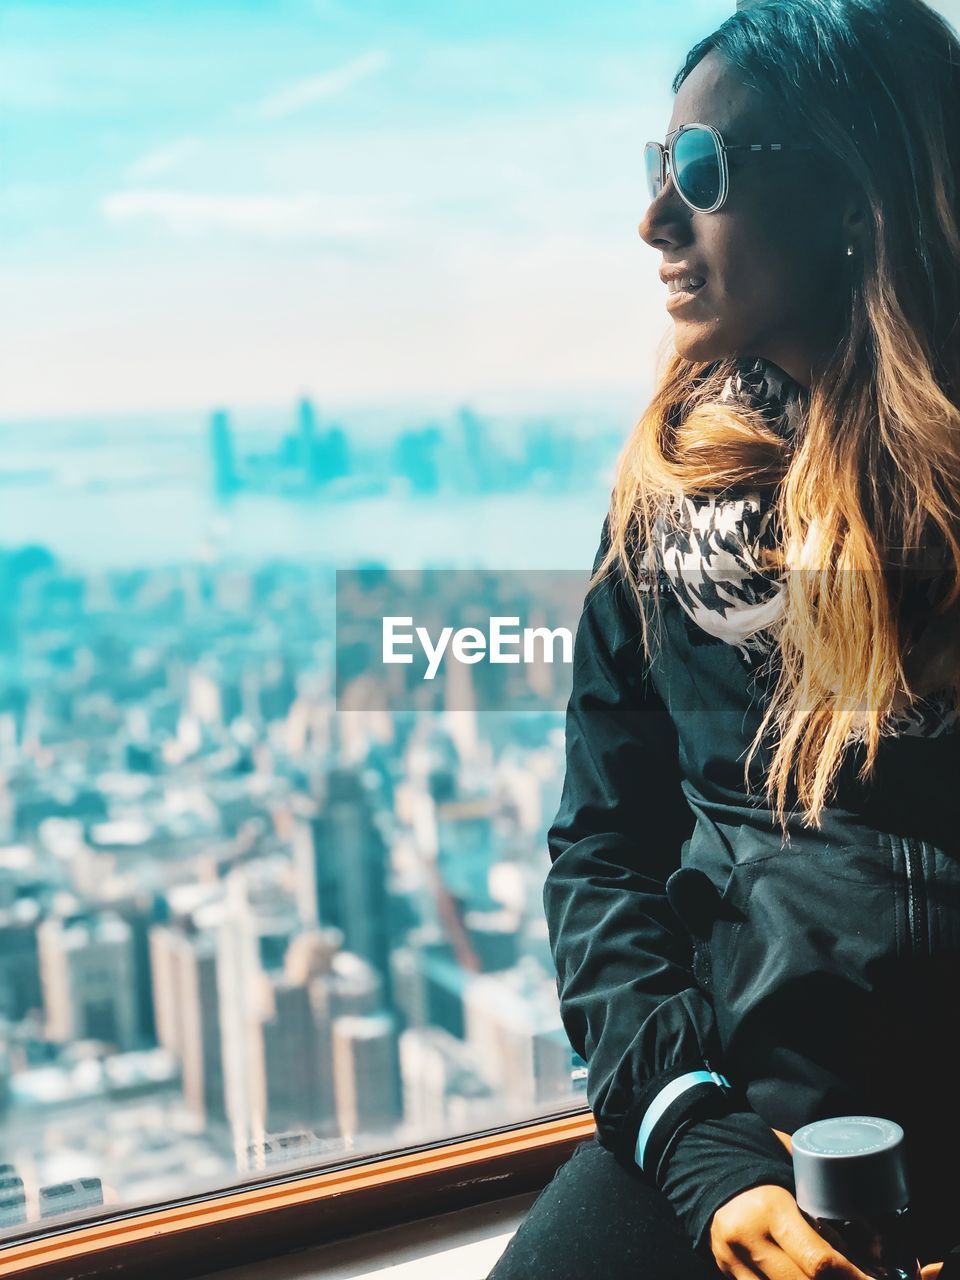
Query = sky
x=367 y=201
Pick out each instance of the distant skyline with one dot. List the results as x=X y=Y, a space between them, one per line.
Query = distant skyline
x=240 y=202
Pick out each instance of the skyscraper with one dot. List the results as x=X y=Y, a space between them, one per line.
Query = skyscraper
x=513 y=1027
x=87 y=974
x=295 y=1088
x=256 y=928
x=225 y=482
x=187 y=1002
x=342 y=859
x=307 y=440
x=366 y=1073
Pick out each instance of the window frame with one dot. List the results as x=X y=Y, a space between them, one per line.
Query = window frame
x=249 y=1222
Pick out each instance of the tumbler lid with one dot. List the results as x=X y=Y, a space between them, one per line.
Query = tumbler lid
x=850 y=1165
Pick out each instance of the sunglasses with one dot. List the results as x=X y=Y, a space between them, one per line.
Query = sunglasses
x=696 y=156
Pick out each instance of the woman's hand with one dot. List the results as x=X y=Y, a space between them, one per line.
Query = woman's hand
x=762 y=1233
x=929 y=1272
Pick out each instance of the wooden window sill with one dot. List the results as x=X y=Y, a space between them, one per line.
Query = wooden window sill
x=294 y=1211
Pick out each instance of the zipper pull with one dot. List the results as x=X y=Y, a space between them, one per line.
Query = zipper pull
x=721 y=1080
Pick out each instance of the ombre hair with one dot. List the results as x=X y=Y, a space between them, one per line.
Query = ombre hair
x=871 y=484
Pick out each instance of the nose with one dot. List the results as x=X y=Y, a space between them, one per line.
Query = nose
x=667 y=219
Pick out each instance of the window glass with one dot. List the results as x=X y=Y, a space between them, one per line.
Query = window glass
x=288 y=289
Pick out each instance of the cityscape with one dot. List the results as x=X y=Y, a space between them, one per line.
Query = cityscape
x=295 y=290
x=249 y=920
x=460 y=456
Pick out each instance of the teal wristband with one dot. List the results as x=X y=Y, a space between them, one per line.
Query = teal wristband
x=669 y=1093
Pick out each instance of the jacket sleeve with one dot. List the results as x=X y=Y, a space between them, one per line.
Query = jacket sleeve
x=628 y=998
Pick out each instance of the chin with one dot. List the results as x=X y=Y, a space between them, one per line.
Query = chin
x=693 y=342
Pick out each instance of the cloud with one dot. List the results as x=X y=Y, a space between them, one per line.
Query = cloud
x=304 y=93
x=270 y=217
x=163 y=159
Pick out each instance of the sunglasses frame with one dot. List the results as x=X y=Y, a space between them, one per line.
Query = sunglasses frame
x=667 y=158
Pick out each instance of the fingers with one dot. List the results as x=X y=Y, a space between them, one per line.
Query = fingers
x=761 y=1234
x=768 y=1262
x=810 y=1252
x=931 y=1270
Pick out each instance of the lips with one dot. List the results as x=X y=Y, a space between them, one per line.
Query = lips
x=685 y=284
x=678 y=298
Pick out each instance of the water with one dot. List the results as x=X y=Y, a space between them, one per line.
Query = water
x=111 y=496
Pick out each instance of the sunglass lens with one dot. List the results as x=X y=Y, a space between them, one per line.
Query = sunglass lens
x=696 y=160
x=651 y=165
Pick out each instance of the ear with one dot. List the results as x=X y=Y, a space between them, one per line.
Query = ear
x=853 y=224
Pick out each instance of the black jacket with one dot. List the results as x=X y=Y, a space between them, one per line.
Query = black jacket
x=815 y=979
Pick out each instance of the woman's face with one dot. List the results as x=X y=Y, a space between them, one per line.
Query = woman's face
x=773 y=257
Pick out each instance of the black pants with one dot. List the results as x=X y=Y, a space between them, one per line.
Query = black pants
x=596 y=1218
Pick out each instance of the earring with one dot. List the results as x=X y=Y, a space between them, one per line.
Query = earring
x=849 y=250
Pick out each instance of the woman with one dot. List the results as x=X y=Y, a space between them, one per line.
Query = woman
x=754 y=896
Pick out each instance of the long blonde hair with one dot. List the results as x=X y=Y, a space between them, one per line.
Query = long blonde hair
x=868 y=493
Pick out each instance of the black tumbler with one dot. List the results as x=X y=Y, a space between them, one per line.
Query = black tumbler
x=851 y=1180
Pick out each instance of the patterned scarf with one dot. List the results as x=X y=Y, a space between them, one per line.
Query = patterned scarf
x=708 y=546
x=708 y=549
